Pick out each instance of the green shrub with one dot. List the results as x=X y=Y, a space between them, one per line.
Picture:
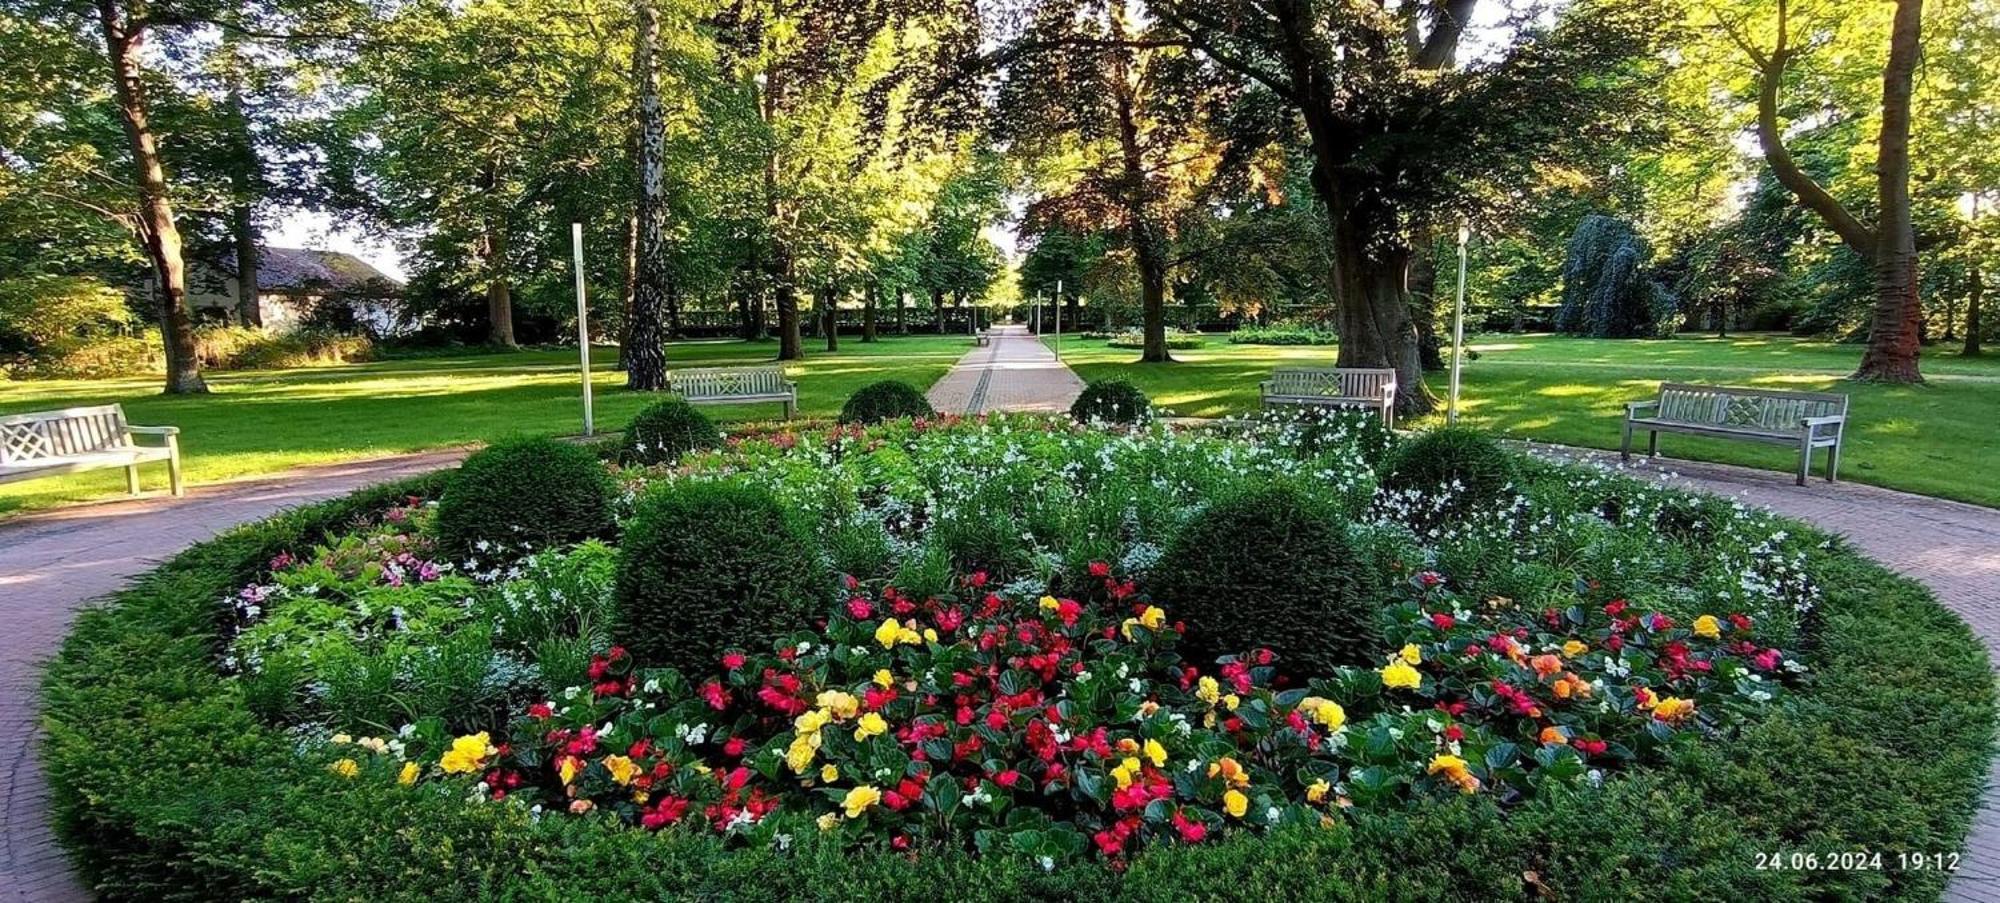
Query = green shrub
x=885 y=400
x=246 y=348
x=525 y=493
x=1441 y=458
x=1269 y=568
x=665 y=430
x=1112 y=401
x=708 y=566
x=1284 y=334
x=1177 y=339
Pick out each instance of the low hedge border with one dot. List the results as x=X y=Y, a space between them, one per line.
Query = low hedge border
x=166 y=787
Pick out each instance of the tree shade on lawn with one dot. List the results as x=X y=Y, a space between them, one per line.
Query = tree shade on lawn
x=260 y=422
x=1925 y=439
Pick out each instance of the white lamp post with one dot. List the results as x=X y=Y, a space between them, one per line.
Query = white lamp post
x=582 y=327
x=1058 y=319
x=1458 y=328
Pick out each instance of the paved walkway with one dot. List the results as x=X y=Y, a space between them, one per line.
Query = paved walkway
x=52 y=564
x=1015 y=373
x=1951 y=547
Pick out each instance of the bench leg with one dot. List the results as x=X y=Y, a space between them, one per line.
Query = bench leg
x=174 y=466
x=132 y=478
x=1625 y=444
x=1833 y=462
x=1805 y=460
x=1652 y=443
x=790 y=405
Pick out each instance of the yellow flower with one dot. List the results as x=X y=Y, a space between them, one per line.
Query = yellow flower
x=842 y=705
x=568 y=768
x=375 y=745
x=1410 y=653
x=1207 y=690
x=409 y=774
x=1708 y=627
x=1156 y=753
x=1049 y=603
x=1235 y=803
x=883 y=678
x=1574 y=648
x=1454 y=770
x=811 y=722
x=1126 y=771
x=829 y=773
x=1399 y=674
x=1325 y=711
x=622 y=769
x=1231 y=701
x=467 y=754
x=1673 y=710
x=346 y=768
x=859 y=799
x=930 y=636
x=1153 y=618
x=341 y=739
x=908 y=635
x=828 y=821
x=886 y=634
x=1317 y=792
x=799 y=755
x=870 y=725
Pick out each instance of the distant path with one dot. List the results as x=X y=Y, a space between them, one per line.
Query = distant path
x=1951 y=547
x=1015 y=373
x=54 y=563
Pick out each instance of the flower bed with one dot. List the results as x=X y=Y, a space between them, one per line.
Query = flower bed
x=1588 y=688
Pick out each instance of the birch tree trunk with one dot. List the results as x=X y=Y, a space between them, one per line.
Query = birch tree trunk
x=646 y=361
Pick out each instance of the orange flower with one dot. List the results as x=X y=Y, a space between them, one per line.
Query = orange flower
x=1674 y=710
x=1553 y=736
x=1546 y=665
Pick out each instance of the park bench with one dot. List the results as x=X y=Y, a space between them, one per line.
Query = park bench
x=983 y=339
x=1808 y=420
x=734 y=385
x=1333 y=387
x=48 y=443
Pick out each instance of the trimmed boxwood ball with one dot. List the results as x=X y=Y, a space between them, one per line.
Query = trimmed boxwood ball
x=885 y=400
x=665 y=430
x=1269 y=568
x=711 y=566
x=1111 y=401
x=1483 y=469
x=535 y=492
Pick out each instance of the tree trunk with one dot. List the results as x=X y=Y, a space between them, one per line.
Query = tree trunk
x=493 y=255
x=1375 y=326
x=1424 y=303
x=629 y=285
x=1895 y=335
x=646 y=361
x=1148 y=245
x=870 y=295
x=937 y=304
x=790 y=345
x=831 y=316
x=156 y=227
x=902 y=311
x=243 y=231
x=1972 y=324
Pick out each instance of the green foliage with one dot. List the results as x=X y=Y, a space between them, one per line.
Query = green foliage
x=664 y=431
x=525 y=493
x=711 y=565
x=1135 y=338
x=1284 y=334
x=885 y=400
x=1111 y=401
x=1606 y=291
x=1461 y=463
x=1270 y=568
x=242 y=348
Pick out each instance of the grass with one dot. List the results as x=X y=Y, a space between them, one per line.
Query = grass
x=1938 y=439
x=260 y=422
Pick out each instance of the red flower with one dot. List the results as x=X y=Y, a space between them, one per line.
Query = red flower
x=1443 y=620
x=1454 y=733
x=859 y=609
x=1616 y=608
x=713 y=694
x=1100 y=569
x=732 y=660
x=1192 y=831
x=541 y=710
x=1007 y=778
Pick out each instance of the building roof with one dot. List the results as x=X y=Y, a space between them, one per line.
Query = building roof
x=308 y=271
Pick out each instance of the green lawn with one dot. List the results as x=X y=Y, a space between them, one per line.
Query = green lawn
x=1940 y=439
x=264 y=421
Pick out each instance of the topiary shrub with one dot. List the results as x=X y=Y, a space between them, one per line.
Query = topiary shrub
x=1481 y=469
x=710 y=566
x=525 y=493
x=664 y=431
x=885 y=400
x=1112 y=401
x=1269 y=568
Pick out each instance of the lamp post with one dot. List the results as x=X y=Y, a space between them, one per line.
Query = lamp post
x=1058 y=320
x=1458 y=328
x=582 y=327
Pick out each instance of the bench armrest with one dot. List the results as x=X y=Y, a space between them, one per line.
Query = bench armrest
x=1632 y=408
x=153 y=430
x=1821 y=421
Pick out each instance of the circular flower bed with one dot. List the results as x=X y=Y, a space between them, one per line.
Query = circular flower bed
x=1580 y=686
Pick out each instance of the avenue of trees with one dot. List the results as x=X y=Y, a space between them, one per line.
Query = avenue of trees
x=1819 y=165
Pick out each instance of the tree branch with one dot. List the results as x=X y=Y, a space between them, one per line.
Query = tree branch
x=1771 y=139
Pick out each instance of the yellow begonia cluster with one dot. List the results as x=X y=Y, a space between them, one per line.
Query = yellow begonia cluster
x=467 y=754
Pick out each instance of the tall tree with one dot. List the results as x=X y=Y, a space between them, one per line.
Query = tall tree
x=645 y=354
x=1401 y=144
x=1890 y=242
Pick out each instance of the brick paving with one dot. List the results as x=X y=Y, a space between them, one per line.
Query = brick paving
x=1015 y=373
x=1951 y=547
x=52 y=564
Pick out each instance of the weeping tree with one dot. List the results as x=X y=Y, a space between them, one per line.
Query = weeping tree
x=1608 y=291
x=1405 y=141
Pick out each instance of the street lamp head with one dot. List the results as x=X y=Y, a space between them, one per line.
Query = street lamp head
x=1464 y=233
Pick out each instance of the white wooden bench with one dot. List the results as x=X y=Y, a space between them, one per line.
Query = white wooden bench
x=982 y=339
x=1345 y=387
x=1806 y=420
x=734 y=385
x=48 y=443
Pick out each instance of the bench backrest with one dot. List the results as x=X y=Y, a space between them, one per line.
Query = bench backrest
x=1770 y=410
x=727 y=382
x=56 y=434
x=1332 y=382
